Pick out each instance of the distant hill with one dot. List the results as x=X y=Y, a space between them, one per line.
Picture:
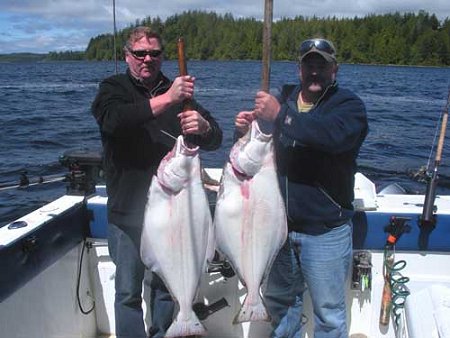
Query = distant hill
x=33 y=57
x=396 y=38
x=22 y=57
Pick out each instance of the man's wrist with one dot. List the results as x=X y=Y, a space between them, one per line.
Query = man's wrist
x=208 y=128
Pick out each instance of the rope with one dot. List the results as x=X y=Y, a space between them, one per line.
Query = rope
x=83 y=311
x=398 y=286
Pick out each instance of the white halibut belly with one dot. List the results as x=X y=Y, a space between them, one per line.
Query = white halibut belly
x=174 y=241
x=177 y=235
x=250 y=222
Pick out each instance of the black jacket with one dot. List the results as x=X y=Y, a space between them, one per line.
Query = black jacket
x=316 y=157
x=134 y=142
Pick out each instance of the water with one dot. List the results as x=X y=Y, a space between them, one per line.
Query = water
x=45 y=111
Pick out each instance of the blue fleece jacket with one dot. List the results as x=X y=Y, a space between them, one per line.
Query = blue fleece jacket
x=316 y=157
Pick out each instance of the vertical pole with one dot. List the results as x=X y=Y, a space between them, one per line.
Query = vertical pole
x=266 y=52
x=115 y=34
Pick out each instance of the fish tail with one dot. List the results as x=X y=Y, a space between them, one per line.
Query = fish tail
x=252 y=312
x=190 y=327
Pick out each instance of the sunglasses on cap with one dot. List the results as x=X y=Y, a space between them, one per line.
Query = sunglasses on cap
x=141 y=54
x=319 y=44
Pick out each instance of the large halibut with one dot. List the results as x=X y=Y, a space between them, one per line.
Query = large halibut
x=250 y=218
x=177 y=235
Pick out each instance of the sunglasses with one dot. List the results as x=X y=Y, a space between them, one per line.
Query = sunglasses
x=320 y=44
x=141 y=54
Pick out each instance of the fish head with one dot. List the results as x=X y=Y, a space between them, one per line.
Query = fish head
x=176 y=168
x=249 y=153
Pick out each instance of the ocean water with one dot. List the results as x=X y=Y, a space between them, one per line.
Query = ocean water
x=45 y=111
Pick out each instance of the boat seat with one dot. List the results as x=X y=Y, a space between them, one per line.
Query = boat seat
x=365 y=194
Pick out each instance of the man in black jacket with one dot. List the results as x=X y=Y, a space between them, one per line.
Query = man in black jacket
x=318 y=131
x=137 y=112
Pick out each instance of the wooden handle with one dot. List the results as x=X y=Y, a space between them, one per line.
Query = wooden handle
x=182 y=66
x=386 y=302
x=267 y=32
x=440 y=145
x=441 y=138
x=181 y=57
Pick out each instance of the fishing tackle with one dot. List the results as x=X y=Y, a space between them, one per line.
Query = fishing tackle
x=428 y=218
x=25 y=181
x=362 y=271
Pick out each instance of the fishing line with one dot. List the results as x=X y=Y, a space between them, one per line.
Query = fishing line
x=168 y=134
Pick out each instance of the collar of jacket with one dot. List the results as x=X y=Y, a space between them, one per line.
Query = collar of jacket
x=331 y=89
x=162 y=84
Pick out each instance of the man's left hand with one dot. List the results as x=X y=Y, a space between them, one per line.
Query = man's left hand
x=192 y=122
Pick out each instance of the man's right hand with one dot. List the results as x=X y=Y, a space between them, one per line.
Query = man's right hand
x=182 y=88
x=243 y=121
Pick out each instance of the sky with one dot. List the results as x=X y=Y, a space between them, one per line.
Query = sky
x=41 y=26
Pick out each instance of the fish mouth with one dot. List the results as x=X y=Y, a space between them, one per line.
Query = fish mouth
x=186 y=148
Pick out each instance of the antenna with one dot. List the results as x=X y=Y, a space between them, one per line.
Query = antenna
x=114 y=36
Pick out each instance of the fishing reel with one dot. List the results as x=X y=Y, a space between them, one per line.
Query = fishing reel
x=85 y=171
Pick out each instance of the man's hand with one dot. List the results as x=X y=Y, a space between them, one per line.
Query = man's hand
x=243 y=121
x=182 y=89
x=267 y=106
x=192 y=122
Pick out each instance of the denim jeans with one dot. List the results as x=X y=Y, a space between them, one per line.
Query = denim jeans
x=320 y=264
x=124 y=249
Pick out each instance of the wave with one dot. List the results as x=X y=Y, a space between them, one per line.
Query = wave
x=45 y=87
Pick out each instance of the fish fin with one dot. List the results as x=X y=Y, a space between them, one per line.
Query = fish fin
x=252 y=312
x=191 y=327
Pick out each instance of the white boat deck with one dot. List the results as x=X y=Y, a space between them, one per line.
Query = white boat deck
x=47 y=306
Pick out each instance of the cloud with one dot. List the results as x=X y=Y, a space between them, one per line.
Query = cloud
x=54 y=25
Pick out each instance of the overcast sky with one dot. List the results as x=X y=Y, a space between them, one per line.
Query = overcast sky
x=41 y=26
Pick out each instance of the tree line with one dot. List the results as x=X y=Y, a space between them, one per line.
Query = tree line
x=406 y=39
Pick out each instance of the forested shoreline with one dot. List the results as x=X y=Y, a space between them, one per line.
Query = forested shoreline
x=398 y=39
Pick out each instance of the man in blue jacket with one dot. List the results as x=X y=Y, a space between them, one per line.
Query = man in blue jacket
x=318 y=131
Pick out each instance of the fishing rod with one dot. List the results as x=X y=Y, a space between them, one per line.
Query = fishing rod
x=25 y=181
x=266 y=56
x=183 y=71
x=430 y=195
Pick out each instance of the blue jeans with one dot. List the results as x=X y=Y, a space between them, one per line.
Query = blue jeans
x=319 y=263
x=124 y=249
